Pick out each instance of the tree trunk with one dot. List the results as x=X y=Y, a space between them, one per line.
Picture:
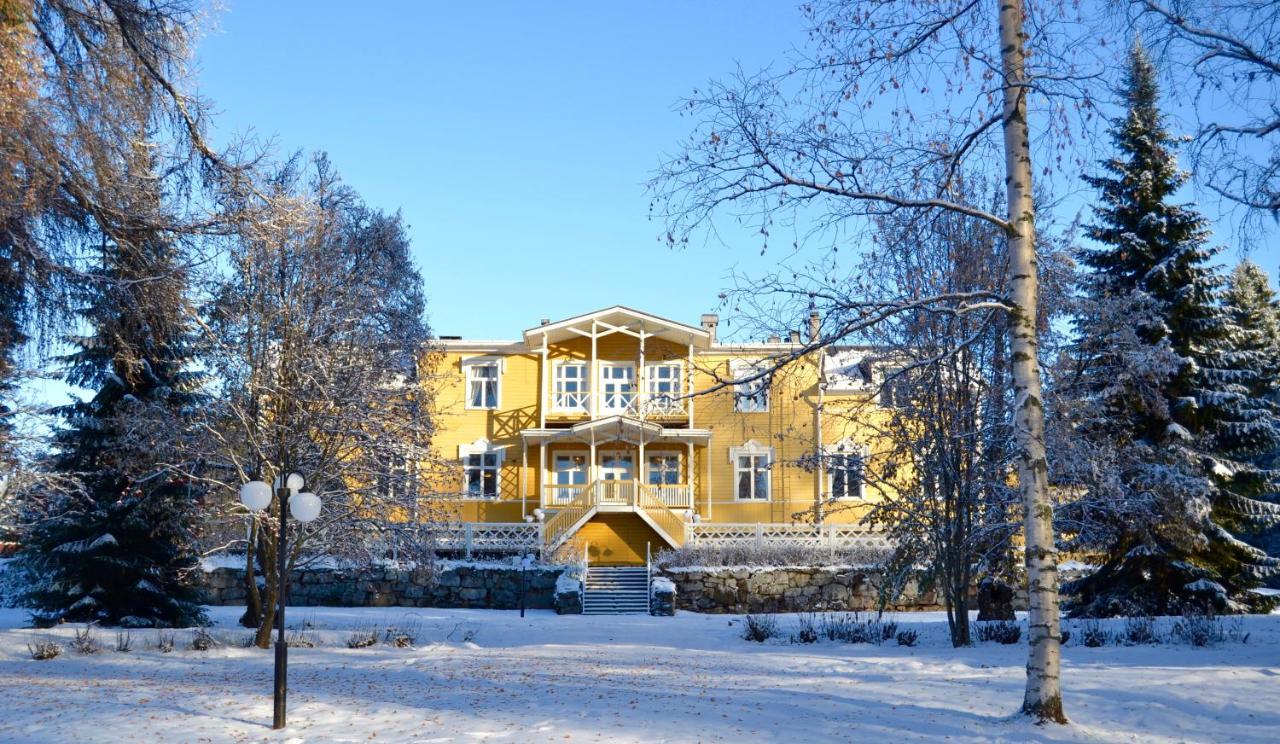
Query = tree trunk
x=252 y=616
x=1043 y=698
x=267 y=550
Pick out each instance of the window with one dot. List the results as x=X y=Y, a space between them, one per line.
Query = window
x=895 y=389
x=618 y=387
x=753 y=396
x=571 y=386
x=664 y=470
x=663 y=382
x=751 y=468
x=571 y=470
x=845 y=472
x=482 y=384
x=481 y=465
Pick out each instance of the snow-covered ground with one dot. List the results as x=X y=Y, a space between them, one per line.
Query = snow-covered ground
x=689 y=678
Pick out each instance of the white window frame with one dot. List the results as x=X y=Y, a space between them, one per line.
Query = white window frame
x=468 y=368
x=753 y=450
x=604 y=394
x=845 y=449
x=481 y=448
x=556 y=471
x=559 y=396
x=676 y=454
x=889 y=396
x=756 y=391
x=656 y=400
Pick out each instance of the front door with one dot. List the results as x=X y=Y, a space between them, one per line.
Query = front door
x=617 y=473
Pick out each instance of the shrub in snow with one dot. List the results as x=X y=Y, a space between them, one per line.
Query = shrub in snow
x=806 y=629
x=908 y=638
x=202 y=640
x=1201 y=628
x=1000 y=631
x=760 y=628
x=404 y=635
x=850 y=627
x=302 y=638
x=1094 y=635
x=165 y=642
x=362 y=637
x=84 y=642
x=45 y=650
x=1140 y=630
x=124 y=642
x=1064 y=636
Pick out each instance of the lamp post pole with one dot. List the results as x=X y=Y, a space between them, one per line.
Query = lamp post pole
x=282 y=591
x=305 y=507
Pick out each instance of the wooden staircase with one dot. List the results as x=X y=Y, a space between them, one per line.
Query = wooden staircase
x=615 y=590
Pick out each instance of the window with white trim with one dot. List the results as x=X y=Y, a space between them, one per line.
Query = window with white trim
x=481 y=468
x=483 y=382
x=663 y=469
x=663 y=386
x=571 y=470
x=895 y=388
x=571 y=387
x=846 y=471
x=617 y=387
x=752 y=469
x=751 y=396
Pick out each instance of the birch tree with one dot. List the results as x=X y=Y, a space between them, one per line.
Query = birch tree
x=892 y=100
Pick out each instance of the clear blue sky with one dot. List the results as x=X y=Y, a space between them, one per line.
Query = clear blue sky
x=515 y=137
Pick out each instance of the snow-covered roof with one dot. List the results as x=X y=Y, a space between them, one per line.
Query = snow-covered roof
x=618 y=319
x=847 y=368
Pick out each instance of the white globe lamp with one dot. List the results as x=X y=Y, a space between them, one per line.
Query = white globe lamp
x=304 y=507
x=255 y=495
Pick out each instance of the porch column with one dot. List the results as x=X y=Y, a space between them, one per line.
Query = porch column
x=594 y=385
x=542 y=469
x=524 y=477
x=688 y=470
x=543 y=386
x=641 y=387
x=640 y=464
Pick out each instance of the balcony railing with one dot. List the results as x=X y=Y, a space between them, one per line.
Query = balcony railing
x=618 y=493
x=833 y=536
x=614 y=404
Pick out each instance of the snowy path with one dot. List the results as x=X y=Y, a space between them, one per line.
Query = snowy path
x=624 y=679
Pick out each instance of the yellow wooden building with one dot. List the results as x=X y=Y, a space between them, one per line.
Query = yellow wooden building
x=624 y=433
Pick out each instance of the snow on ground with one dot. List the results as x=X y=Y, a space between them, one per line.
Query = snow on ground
x=690 y=678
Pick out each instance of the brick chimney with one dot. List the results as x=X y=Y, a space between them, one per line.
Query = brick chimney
x=709 y=323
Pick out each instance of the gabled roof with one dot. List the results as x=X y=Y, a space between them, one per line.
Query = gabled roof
x=616 y=429
x=618 y=319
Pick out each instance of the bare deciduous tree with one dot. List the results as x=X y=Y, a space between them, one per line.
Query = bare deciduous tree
x=896 y=100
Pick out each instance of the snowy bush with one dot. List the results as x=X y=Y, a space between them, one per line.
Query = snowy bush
x=84 y=642
x=1094 y=635
x=124 y=642
x=760 y=628
x=806 y=629
x=165 y=642
x=850 y=627
x=404 y=635
x=767 y=555
x=908 y=638
x=1000 y=631
x=202 y=640
x=1199 y=628
x=1140 y=630
x=362 y=637
x=45 y=650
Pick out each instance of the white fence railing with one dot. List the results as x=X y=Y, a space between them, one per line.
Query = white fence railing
x=833 y=536
x=485 y=537
x=617 y=493
x=617 y=403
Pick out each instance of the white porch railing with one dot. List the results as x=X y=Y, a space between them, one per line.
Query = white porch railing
x=617 y=493
x=833 y=536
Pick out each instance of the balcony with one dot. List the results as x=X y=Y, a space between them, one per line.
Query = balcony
x=578 y=405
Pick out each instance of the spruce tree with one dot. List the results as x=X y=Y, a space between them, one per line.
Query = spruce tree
x=117 y=549
x=1204 y=428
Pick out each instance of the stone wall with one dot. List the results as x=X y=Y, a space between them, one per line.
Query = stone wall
x=792 y=589
x=483 y=586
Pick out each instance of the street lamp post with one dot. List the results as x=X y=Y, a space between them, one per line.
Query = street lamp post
x=305 y=507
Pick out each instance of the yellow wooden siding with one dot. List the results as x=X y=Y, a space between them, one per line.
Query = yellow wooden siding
x=618 y=539
x=788 y=427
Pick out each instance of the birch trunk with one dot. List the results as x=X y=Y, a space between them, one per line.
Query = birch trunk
x=1043 y=698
